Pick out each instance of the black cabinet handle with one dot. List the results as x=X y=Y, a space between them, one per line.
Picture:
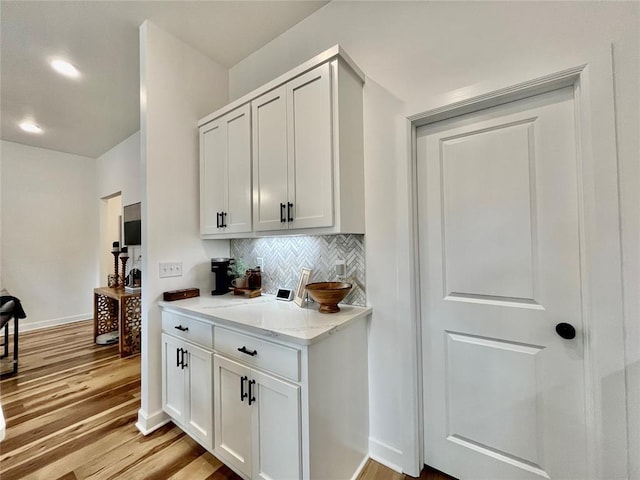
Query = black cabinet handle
x=244 y=350
x=282 y=218
x=289 y=209
x=251 y=397
x=181 y=328
x=180 y=358
x=218 y=219
x=223 y=216
x=243 y=395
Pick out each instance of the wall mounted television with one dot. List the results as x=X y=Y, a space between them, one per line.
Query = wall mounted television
x=132 y=219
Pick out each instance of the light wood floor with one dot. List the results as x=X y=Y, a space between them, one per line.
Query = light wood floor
x=71 y=411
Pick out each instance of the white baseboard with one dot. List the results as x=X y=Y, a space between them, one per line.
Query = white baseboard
x=25 y=326
x=360 y=467
x=385 y=454
x=150 y=423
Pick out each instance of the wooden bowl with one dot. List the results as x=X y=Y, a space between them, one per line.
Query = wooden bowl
x=328 y=294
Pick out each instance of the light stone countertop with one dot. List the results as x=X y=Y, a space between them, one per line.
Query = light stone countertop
x=265 y=315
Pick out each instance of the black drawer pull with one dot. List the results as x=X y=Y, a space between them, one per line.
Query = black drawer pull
x=181 y=328
x=244 y=350
x=282 y=217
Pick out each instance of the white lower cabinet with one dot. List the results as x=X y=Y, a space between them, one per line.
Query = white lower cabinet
x=269 y=408
x=187 y=388
x=257 y=421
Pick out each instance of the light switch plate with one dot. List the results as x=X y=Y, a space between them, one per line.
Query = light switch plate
x=170 y=269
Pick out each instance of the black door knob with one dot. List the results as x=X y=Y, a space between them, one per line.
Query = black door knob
x=566 y=331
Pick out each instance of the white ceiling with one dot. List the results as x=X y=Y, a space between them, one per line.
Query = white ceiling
x=90 y=115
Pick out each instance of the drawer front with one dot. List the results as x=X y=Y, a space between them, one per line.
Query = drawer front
x=200 y=333
x=281 y=360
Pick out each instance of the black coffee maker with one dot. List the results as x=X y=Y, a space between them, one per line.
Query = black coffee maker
x=221 y=268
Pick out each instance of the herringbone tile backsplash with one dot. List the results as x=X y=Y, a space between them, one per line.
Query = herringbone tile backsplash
x=284 y=257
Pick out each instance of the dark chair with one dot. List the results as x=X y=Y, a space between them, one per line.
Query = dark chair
x=10 y=308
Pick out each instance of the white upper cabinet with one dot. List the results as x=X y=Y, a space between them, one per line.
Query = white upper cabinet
x=225 y=174
x=306 y=149
x=292 y=154
x=269 y=130
x=309 y=134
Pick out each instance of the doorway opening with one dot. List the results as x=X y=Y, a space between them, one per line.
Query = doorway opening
x=110 y=231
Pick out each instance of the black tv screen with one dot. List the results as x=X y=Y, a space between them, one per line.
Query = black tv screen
x=133 y=233
x=132 y=219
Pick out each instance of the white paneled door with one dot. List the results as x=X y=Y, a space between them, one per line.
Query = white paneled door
x=500 y=249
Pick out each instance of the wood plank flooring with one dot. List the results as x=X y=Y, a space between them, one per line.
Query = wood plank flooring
x=71 y=411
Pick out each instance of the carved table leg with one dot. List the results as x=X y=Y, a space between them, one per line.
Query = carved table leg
x=105 y=315
x=131 y=310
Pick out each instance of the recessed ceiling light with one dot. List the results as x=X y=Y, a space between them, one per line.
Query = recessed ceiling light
x=30 y=127
x=65 y=68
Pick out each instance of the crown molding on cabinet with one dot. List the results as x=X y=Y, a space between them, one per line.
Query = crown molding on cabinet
x=329 y=54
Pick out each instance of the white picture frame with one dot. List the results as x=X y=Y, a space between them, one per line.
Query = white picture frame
x=301 y=289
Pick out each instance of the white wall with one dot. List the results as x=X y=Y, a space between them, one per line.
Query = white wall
x=1 y=280
x=50 y=233
x=627 y=84
x=118 y=171
x=110 y=231
x=420 y=55
x=178 y=86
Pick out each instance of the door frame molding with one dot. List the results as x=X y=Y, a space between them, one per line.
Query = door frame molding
x=600 y=239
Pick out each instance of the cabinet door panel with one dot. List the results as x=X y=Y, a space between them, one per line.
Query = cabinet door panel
x=276 y=434
x=213 y=154
x=173 y=379
x=200 y=412
x=233 y=415
x=269 y=121
x=310 y=172
x=238 y=208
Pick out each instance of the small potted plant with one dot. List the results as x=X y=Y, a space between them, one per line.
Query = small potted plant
x=238 y=272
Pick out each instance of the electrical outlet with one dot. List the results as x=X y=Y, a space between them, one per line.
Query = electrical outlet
x=170 y=269
x=260 y=263
x=341 y=268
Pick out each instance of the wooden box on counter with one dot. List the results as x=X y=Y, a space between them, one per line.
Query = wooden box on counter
x=172 y=295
